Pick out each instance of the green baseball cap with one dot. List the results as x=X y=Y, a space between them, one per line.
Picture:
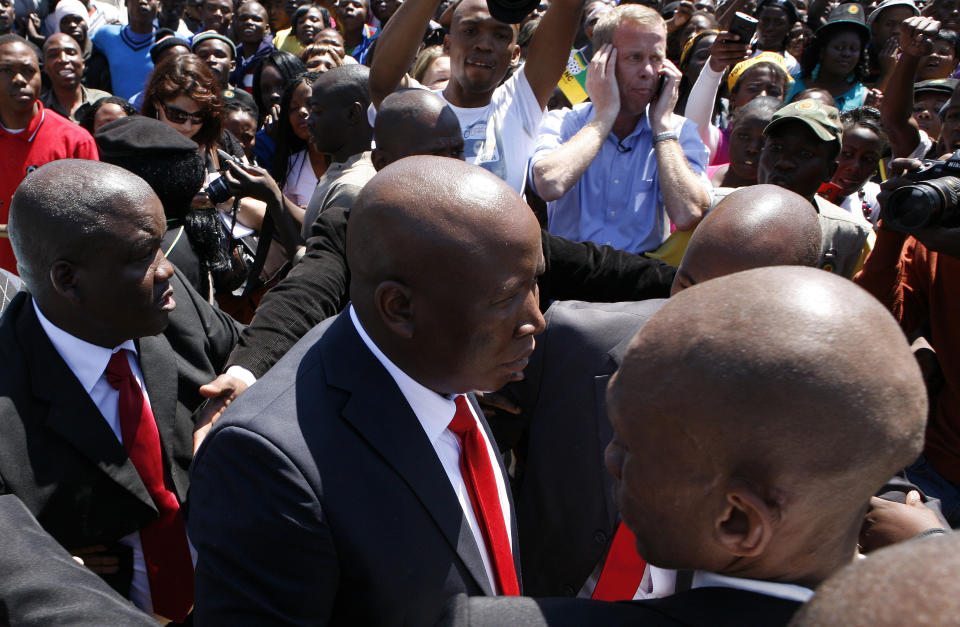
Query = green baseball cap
x=822 y=119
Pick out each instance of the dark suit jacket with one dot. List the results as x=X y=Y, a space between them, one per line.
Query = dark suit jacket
x=566 y=509
x=40 y=584
x=318 y=287
x=709 y=607
x=318 y=498
x=57 y=453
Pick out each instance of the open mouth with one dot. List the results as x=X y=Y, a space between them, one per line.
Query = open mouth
x=166 y=302
x=479 y=64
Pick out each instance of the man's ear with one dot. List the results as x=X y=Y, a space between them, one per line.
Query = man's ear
x=233 y=65
x=746 y=523
x=515 y=55
x=64 y=277
x=446 y=44
x=394 y=303
x=356 y=113
x=380 y=159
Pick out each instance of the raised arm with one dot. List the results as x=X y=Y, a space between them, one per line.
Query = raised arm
x=724 y=52
x=897 y=107
x=550 y=47
x=684 y=196
x=398 y=44
x=556 y=173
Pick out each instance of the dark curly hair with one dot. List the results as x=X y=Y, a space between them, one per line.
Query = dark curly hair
x=87 y=112
x=811 y=54
x=186 y=75
x=868 y=118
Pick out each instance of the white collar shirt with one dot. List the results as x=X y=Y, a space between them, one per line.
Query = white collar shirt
x=434 y=412
x=660 y=582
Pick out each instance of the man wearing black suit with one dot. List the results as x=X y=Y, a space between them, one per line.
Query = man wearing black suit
x=335 y=490
x=87 y=238
x=729 y=460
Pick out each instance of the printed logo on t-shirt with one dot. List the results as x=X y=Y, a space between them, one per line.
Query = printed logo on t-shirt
x=483 y=146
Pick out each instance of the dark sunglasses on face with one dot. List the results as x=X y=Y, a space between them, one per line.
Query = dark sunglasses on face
x=179 y=116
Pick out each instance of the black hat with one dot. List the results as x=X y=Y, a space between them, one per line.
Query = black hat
x=511 y=11
x=157 y=49
x=786 y=5
x=937 y=85
x=851 y=14
x=136 y=136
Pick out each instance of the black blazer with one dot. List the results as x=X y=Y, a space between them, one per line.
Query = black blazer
x=566 y=509
x=318 y=499
x=707 y=607
x=57 y=453
x=40 y=584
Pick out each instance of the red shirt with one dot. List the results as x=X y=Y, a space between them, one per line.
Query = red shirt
x=916 y=283
x=48 y=137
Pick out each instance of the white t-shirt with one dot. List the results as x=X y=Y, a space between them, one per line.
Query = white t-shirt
x=500 y=136
x=301 y=179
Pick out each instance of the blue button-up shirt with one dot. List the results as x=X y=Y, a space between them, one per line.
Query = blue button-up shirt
x=617 y=201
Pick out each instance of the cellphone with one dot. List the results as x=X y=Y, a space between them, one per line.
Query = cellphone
x=660 y=85
x=744 y=26
x=226 y=156
x=831 y=191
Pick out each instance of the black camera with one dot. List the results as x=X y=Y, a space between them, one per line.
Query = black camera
x=934 y=200
x=217 y=191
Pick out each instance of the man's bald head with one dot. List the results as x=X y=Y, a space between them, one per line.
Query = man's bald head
x=415 y=122
x=345 y=84
x=773 y=418
x=444 y=257
x=912 y=583
x=64 y=209
x=753 y=227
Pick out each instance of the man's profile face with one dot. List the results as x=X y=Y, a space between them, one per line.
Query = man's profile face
x=479 y=318
x=19 y=78
x=63 y=60
x=218 y=56
x=480 y=48
x=328 y=120
x=125 y=286
x=794 y=158
x=217 y=15
x=251 y=22
x=641 y=50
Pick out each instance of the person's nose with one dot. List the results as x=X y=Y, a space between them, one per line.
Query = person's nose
x=532 y=321
x=164 y=268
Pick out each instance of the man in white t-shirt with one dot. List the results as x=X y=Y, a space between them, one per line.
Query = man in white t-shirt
x=499 y=122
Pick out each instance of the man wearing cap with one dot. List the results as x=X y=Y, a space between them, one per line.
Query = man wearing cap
x=800 y=154
x=220 y=55
x=884 y=23
x=619 y=169
x=909 y=126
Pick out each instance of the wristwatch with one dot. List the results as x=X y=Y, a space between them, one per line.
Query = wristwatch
x=659 y=137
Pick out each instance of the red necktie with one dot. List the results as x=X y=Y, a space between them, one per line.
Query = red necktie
x=165 y=548
x=622 y=570
x=482 y=485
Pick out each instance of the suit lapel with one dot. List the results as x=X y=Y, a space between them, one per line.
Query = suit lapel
x=72 y=414
x=158 y=363
x=380 y=413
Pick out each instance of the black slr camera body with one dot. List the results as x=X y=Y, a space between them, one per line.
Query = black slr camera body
x=932 y=201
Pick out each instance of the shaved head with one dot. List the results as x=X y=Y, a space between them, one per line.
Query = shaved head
x=911 y=583
x=444 y=258
x=345 y=84
x=63 y=209
x=415 y=122
x=767 y=409
x=756 y=226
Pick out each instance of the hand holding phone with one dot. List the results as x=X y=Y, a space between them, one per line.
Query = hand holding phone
x=744 y=26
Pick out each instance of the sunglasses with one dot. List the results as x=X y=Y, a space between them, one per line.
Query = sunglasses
x=179 y=116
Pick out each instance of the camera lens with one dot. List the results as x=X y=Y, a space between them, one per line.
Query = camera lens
x=217 y=191
x=929 y=203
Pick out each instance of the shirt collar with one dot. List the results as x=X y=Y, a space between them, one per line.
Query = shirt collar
x=661 y=582
x=434 y=411
x=86 y=361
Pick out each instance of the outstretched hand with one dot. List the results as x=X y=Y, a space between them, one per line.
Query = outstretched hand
x=219 y=394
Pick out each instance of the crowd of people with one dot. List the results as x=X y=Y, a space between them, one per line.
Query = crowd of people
x=425 y=312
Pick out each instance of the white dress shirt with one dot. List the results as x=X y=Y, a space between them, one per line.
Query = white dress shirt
x=660 y=582
x=435 y=411
x=88 y=363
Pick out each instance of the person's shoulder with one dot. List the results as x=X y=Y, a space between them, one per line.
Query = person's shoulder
x=107 y=31
x=70 y=133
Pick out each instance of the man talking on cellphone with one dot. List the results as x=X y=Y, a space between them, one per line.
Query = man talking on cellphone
x=618 y=170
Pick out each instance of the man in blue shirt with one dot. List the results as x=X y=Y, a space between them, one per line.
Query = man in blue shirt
x=613 y=171
x=127 y=48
